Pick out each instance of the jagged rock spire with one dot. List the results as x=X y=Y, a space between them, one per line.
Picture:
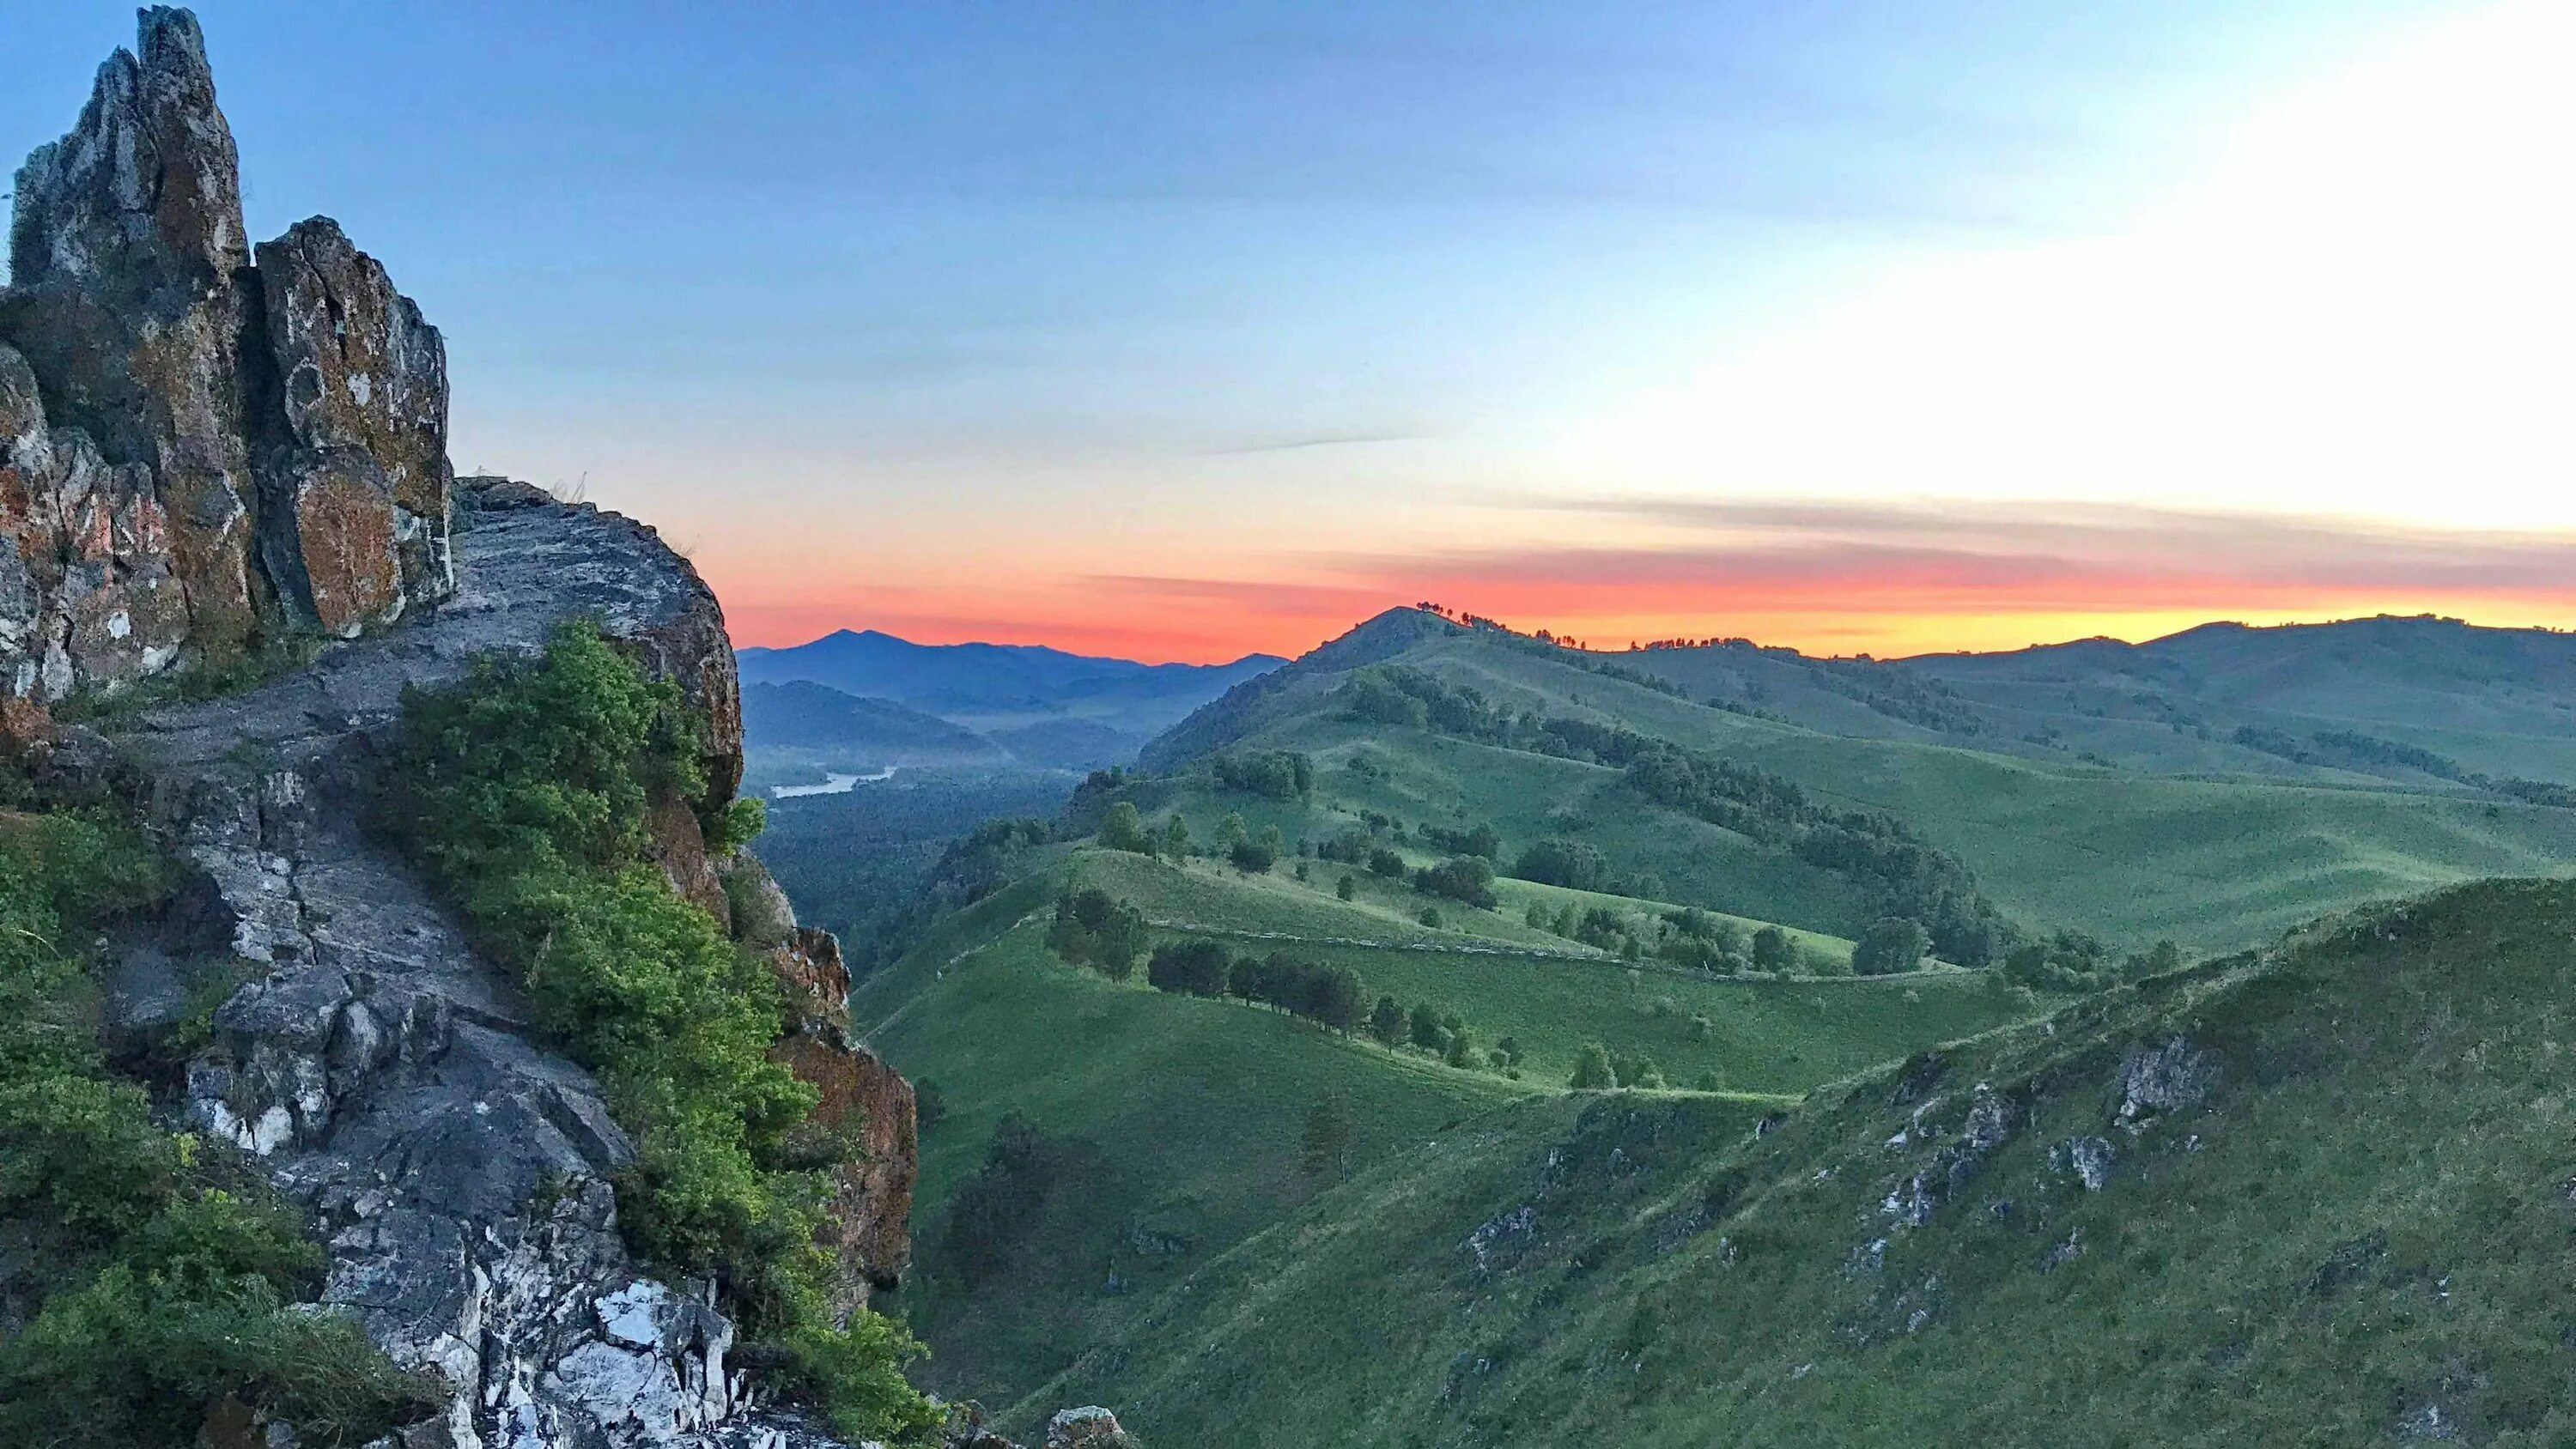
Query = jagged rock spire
x=147 y=188
x=196 y=453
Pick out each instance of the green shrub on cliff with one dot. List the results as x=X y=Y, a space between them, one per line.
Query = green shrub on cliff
x=524 y=795
x=166 y=1269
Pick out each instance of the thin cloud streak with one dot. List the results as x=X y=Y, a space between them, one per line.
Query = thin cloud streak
x=1329 y=440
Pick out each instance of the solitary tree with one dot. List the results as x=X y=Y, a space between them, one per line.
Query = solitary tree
x=1386 y=1021
x=1176 y=837
x=1346 y=888
x=1120 y=829
x=1771 y=950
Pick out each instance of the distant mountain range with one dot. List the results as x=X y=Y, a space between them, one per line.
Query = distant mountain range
x=864 y=696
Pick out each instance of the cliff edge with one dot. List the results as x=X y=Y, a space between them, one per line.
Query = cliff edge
x=207 y=448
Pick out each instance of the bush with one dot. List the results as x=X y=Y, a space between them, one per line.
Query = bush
x=174 y=1269
x=1475 y=840
x=1424 y=1030
x=1346 y=888
x=522 y=794
x=1385 y=862
x=1636 y=1071
x=1461 y=1052
x=1772 y=950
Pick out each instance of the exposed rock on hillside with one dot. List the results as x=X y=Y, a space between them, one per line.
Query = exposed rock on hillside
x=862 y=1096
x=387 y=1076
x=197 y=453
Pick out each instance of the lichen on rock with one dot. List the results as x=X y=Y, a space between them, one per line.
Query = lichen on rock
x=198 y=453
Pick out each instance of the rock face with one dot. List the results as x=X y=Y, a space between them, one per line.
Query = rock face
x=197 y=453
x=862 y=1099
x=456 y=1168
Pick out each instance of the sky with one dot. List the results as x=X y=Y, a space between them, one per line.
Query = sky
x=1181 y=330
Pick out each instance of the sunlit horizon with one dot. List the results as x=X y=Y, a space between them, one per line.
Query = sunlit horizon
x=1190 y=331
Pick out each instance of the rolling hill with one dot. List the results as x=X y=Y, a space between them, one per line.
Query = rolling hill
x=991 y=687
x=819 y=724
x=1809 y=1244
x=1150 y=1131
x=2314 y=1195
x=2214 y=862
x=2420 y=701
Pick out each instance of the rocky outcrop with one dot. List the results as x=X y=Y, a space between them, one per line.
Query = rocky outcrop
x=456 y=1169
x=867 y=1113
x=196 y=452
x=356 y=482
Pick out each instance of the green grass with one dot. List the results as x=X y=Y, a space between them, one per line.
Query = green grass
x=1187 y=1112
x=1183 y=1117
x=2215 y=864
x=2363 y=1225
x=1763 y=1035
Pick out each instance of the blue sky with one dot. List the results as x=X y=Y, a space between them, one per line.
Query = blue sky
x=978 y=318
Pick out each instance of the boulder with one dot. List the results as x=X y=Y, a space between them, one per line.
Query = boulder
x=1089 y=1427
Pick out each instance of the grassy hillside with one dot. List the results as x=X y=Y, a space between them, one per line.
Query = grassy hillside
x=1160 y=1130
x=2311 y=1197
x=2218 y=699
x=2214 y=863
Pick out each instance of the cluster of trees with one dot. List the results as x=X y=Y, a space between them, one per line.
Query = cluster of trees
x=1473 y=840
x=1573 y=864
x=1271 y=774
x=1330 y=995
x=2338 y=745
x=2074 y=961
x=1443 y=1034
x=994 y=1213
x=1123 y=828
x=1599 y=927
x=1696 y=939
x=1904 y=875
x=1599 y=1069
x=1095 y=929
x=1466 y=877
x=973 y=866
x=1357 y=847
x=1252 y=854
x=1891 y=946
x=1898 y=693
x=522 y=794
